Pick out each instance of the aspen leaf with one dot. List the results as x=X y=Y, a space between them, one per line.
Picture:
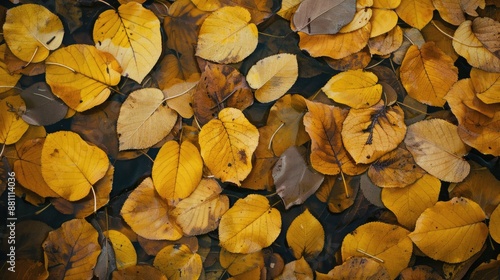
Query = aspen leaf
x=427 y=74
x=473 y=50
x=369 y=133
x=298 y=269
x=12 y=126
x=177 y=170
x=359 y=268
x=250 y=225
x=409 y=202
x=201 y=211
x=328 y=155
x=132 y=35
x=486 y=85
x=178 y=262
x=305 y=236
x=236 y=264
x=144 y=119
x=416 y=13
x=327 y=18
x=125 y=254
x=148 y=214
x=273 y=76
x=72 y=250
x=70 y=166
x=354 y=88
x=495 y=224
x=382 y=21
x=389 y=244
x=451 y=231
x=396 y=169
x=81 y=75
x=227 y=36
x=31 y=31
x=438 y=149
x=7 y=79
x=227 y=145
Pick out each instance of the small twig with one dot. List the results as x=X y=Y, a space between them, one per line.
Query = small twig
x=376 y=64
x=274 y=134
x=145 y=154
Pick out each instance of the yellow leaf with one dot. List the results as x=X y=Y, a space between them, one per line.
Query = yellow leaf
x=227 y=36
x=125 y=254
x=31 y=31
x=428 y=73
x=370 y=133
x=495 y=224
x=273 y=76
x=305 y=236
x=177 y=170
x=132 y=35
x=299 y=270
x=386 y=4
x=359 y=268
x=355 y=88
x=148 y=214
x=70 y=166
x=386 y=43
x=486 y=85
x=81 y=75
x=388 y=244
x=382 y=21
x=250 y=225
x=227 y=145
x=7 y=79
x=472 y=49
x=178 y=262
x=200 y=213
x=451 y=231
x=236 y=264
x=438 y=149
x=288 y=7
x=450 y=11
x=180 y=97
x=416 y=13
x=409 y=202
x=144 y=119
x=12 y=126
x=361 y=18
x=338 y=196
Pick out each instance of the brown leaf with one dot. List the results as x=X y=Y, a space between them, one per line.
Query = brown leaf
x=487 y=31
x=386 y=43
x=333 y=191
x=327 y=17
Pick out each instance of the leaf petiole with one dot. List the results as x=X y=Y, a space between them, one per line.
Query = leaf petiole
x=274 y=134
x=370 y=255
x=61 y=65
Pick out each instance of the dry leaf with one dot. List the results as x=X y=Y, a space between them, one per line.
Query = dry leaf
x=178 y=262
x=7 y=79
x=486 y=85
x=236 y=264
x=417 y=13
x=359 y=268
x=420 y=272
x=305 y=236
x=327 y=18
x=12 y=127
x=125 y=254
x=386 y=43
x=450 y=11
x=42 y=106
x=382 y=21
x=487 y=30
x=298 y=269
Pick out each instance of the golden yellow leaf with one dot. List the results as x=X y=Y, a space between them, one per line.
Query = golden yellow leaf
x=207 y=5
x=386 y=4
x=273 y=76
x=396 y=169
x=31 y=31
x=428 y=73
x=335 y=46
x=7 y=79
x=236 y=264
x=431 y=33
x=72 y=250
x=305 y=236
x=177 y=170
x=387 y=43
x=486 y=30
x=370 y=133
x=451 y=231
x=178 y=262
x=438 y=149
x=297 y=270
x=148 y=214
x=125 y=254
x=450 y=11
x=328 y=156
x=132 y=35
x=144 y=119
x=409 y=202
x=361 y=18
x=338 y=196
x=486 y=85
x=71 y=166
x=473 y=50
x=227 y=36
x=227 y=145
x=388 y=244
x=250 y=225
x=382 y=21
x=355 y=88
x=12 y=126
x=359 y=268
x=81 y=75
x=416 y=13
x=422 y=272
x=495 y=224
x=200 y=213
x=288 y=7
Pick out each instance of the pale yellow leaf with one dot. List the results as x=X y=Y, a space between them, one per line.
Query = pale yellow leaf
x=125 y=254
x=305 y=236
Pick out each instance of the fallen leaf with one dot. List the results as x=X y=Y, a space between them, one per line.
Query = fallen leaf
x=355 y=61
x=236 y=264
x=417 y=13
x=361 y=17
x=327 y=18
x=146 y=271
x=386 y=43
x=450 y=11
x=486 y=30
x=495 y=224
x=420 y=272
x=486 y=85
x=434 y=32
x=338 y=194
x=288 y=8
x=359 y=268
x=42 y=106
x=305 y=236
x=416 y=38
x=249 y=225
x=178 y=262
x=27 y=37
x=451 y=231
x=12 y=127
x=8 y=80
x=438 y=149
x=382 y=21
x=298 y=269
x=124 y=249
x=31 y=269
x=132 y=35
x=71 y=166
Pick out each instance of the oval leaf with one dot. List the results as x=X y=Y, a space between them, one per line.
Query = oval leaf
x=495 y=224
x=178 y=262
x=327 y=17
x=305 y=236
x=124 y=249
x=12 y=127
x=416 y=13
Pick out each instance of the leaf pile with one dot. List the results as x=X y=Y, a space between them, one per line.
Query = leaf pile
x=292 y=139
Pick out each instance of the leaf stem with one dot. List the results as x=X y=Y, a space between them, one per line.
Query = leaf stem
x=43 y=209
x=274 y=134
x=31 y=59
x=347 y=195
x=180 y=94
x=106 y=3
x=370 y=255
x=3 y=149
x=275 y=36
x=414 y=109
x=61 y=65
x=145 y=154
x=376 y=64
x=95 y=199
x=408 y=38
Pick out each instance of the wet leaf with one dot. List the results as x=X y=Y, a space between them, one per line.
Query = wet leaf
x=305 y=236
x=327 y=18
x=178 y=262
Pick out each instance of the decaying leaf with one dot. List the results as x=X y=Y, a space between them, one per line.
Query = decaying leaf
x=359 y=268
x=12 y=126
x=338 y=194
x=42 y=106
x=326 y=18
x=7 y=79
x=178 y=262
x=125 y=254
